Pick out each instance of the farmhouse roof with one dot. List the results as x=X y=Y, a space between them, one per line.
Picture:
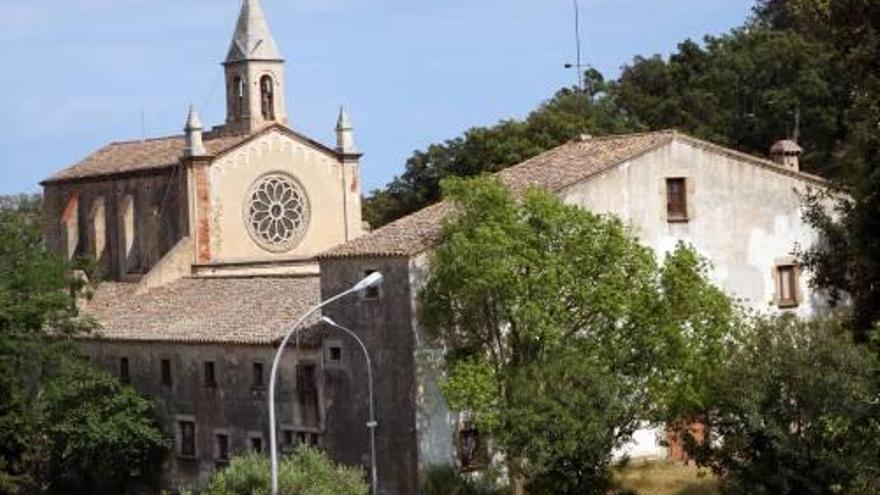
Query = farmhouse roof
x=554 y=171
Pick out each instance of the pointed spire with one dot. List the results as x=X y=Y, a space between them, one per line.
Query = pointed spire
x=252 y=39
x=192 y=121
x=345 y=134
x=194 y=144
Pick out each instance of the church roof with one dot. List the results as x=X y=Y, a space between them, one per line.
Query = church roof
x=252 y=39
x=554 y=171
x=203 y=310
x=138 y=156
x=159 y=153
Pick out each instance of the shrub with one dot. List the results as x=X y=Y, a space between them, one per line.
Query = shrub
x=797 y=412
x=306 y=472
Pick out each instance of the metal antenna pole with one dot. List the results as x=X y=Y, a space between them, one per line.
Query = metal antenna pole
x=577 y=37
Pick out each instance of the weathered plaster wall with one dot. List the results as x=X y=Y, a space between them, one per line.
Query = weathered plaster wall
x=320 y=175
x=234 y=407
x=158 y=225
x=743 y=217
x=385 y=326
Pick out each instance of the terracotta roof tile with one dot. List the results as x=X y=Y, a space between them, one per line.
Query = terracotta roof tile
x=203 y=310
x=553 y=171
x=135 y=156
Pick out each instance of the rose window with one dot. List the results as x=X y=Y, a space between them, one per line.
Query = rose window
x=277 y=212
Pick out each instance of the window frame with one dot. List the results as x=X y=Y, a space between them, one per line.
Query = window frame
x=258 y=378
x=187 y=449
x=677 y=208
x=167 y=375
x=222 y=446
x=210 y=374
x=124 y=370
x=789 y=270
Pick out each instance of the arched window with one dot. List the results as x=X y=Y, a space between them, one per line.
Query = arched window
x=237 y=97
x=267 y=97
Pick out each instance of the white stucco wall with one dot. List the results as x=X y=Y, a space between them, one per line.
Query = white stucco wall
x=743 y=217
x=319 y=173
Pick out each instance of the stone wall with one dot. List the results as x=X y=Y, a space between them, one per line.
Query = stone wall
x=156 y=202
x=234 y=407
x=384 y=323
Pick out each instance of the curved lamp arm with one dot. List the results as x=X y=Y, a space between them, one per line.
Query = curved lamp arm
x=372 y=280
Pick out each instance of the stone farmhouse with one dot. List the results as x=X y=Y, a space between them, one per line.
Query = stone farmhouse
x=210 y=243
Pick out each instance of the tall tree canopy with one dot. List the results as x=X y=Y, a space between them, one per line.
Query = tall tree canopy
x=64 y=426
x=564 y=333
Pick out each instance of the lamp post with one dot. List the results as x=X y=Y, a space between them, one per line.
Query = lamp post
x=371 y=423
x=372 y=280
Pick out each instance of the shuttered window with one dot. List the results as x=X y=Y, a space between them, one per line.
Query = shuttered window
x=676 y=199
x=787 y=285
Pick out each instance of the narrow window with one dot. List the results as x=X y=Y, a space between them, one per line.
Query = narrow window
x=287 y=441
x=469 y=448
x=123 y=370
x=307 y=391
x=166 y=372
x=371 y=293
x=257 y=443
x=237 y=97
x=267 y=97
x=787 y=283
x=210 y=377
x=676 y=199
x=187 y=439
x=222 y=448
x=258 y=376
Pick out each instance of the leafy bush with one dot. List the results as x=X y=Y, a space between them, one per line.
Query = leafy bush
x=446 y=480
x=306 y=472
x=797 y=412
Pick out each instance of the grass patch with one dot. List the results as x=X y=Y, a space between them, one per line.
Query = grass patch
x=666 y=478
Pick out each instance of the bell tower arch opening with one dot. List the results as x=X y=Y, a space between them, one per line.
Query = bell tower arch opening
x=254 y=74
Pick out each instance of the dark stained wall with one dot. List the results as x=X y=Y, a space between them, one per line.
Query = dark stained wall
x=385 y=326
x=159 y=222
x=234 y=407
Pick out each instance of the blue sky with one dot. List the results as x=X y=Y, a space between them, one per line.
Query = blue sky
x=79 y=73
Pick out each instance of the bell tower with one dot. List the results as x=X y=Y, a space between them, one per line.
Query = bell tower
x=254 y=74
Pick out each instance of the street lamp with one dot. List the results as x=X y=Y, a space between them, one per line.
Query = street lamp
x=371 y=423
x=372 y=280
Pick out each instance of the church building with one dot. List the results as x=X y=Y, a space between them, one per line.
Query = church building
x=209 y=244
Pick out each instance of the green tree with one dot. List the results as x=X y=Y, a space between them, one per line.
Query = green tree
x=49 y=438
x=99 y=433
x=563 y=332
x=797 y=412
x=306 y=472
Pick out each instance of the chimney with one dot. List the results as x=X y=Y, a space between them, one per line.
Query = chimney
x=787 y=154
x=193 y=130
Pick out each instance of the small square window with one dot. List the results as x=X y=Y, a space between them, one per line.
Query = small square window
x=166 y=372
x=371 y=293
x=257 y=443
x=124 y=376
x=257 y=376
x=676 y=200
x=786 y=286
x=210 y=377
x=222 y=447
x=335 y=353
x=187 y=438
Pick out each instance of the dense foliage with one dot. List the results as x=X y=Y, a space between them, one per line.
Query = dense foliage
x=564 y=333
x=306 y=472
x=798 y=68
x=63 y=425
x=796 y=412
